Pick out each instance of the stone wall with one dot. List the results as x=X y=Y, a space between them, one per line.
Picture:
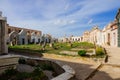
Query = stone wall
x=63 y=72
x=57 y=68
x=7 y=61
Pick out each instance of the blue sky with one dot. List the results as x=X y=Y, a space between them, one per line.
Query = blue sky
x=59 y=17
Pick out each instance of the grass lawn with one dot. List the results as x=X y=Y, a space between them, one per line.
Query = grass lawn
x=57 y=47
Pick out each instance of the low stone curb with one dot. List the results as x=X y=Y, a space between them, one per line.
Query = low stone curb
x=69 y=53
x=93 y=73
x=114 y=65
x=106 y=56
x=7 y=61
x=67 y=75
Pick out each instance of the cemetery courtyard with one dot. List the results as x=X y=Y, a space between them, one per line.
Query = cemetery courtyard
x=90 y=66
x=27 y=54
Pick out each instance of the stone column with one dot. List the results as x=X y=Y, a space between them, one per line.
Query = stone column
x=3 y=35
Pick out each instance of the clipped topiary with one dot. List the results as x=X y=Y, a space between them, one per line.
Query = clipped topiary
x=82 y=52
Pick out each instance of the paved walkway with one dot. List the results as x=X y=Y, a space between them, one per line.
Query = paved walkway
x=107 y=72
x=113 y=55
x=111 y=69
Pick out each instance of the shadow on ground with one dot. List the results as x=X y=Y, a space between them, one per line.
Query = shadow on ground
x=83 y=71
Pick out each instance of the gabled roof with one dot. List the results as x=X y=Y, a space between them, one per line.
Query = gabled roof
x=22 y=32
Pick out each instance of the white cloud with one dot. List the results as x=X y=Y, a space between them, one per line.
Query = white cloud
x=61 y=22
x=72 y=21
x=90 y=21
x=67 y=7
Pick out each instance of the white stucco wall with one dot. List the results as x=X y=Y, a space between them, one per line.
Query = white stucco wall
x=76 y=38
x=36 y=37
x=114 y=38
x=23 y=35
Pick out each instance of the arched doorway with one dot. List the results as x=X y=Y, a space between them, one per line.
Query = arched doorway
x=13 y=38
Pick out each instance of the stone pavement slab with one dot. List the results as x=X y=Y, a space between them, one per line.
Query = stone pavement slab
x=113 y=55
x=107 y=73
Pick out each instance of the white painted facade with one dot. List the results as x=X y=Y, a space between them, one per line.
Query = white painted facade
x=76 y=38
x=48 y=38
x=23 y=37
x=108 y=36
x=63 y=39
x=86 y=36
x=94 y=35
x=114 y=39
x=33 y=38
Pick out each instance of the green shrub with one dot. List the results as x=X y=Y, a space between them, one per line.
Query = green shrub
x=22 y=61
x=47 y=67
x=22 y=75
x=99 y=51
x=13 y=74
x=10 y=71
x=82 y=52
